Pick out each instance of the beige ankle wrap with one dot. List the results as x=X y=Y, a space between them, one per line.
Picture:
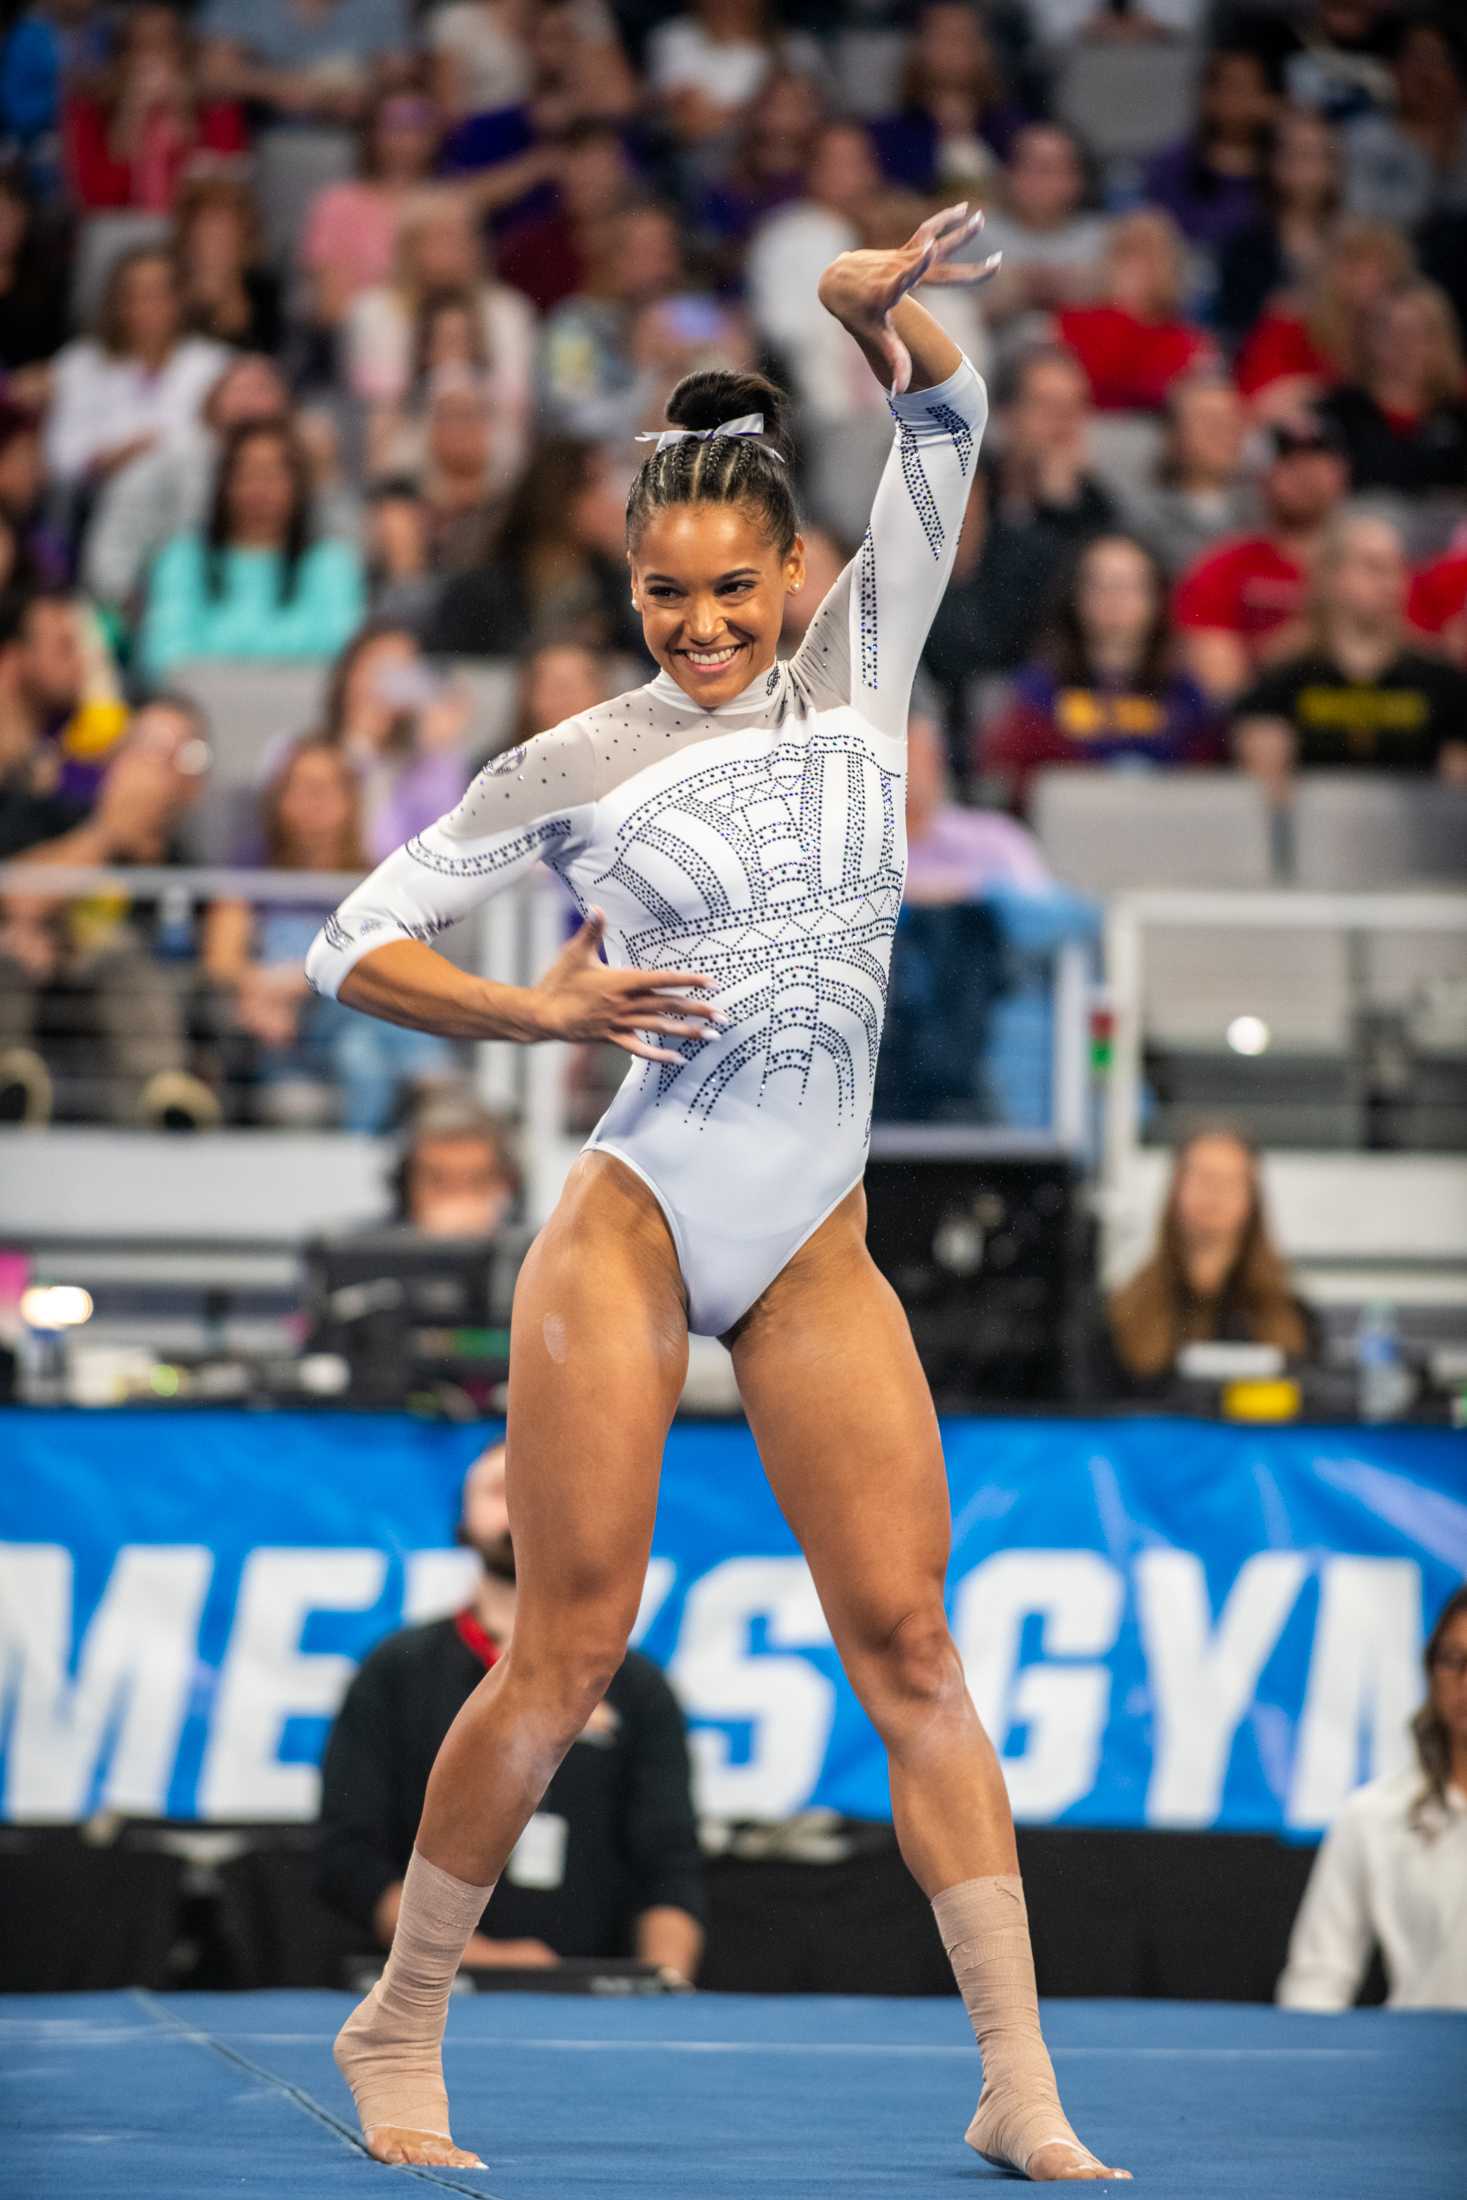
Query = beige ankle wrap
x=985 y=1929
x=390 y=2049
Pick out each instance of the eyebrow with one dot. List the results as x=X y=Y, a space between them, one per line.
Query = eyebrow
x=738 y=573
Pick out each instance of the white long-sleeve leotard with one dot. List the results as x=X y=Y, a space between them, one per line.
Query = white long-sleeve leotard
x=762 y=842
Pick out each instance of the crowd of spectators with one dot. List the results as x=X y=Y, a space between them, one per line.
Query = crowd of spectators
x=326 y=327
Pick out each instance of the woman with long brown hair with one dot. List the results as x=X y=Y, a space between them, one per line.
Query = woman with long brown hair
x=1216 y=1272
x=1392 y=1871
x=311 y=1060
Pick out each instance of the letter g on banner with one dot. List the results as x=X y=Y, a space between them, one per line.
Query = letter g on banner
x=1079 y=1597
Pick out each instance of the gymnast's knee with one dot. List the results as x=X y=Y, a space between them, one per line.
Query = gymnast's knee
x=909 y=1672
x=564 y=1668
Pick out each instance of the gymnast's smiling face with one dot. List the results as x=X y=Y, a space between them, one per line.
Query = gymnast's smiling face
x=711 y=587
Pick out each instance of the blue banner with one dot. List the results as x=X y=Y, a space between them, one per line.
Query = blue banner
x=1164 y=1623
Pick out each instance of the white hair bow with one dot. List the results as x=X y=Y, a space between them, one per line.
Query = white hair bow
x=746 y=424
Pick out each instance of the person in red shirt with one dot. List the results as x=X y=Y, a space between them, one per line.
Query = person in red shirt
x=129 y=144
x=1133 y=342
x=1242 y=604
x=1308 y=342
x=1437 y=604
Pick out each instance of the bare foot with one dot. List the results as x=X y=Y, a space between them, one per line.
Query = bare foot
x=398 y=2089
x=390 y=2143
x=1055 y=2158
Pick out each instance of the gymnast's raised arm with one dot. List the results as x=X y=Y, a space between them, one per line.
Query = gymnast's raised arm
x=864 y=644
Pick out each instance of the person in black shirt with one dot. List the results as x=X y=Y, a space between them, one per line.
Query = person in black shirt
x=1404 y=425
x=1359 y=696
x=608 y=1866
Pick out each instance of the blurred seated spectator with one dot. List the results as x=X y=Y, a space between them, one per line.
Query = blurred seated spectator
x=1208 y=182
x=1106 y=689
x=166 y=491
x=954 y=123
x=92 y=1014
x=1283 y=244
x=35 y=556
x=138 y=384
x=608 y=1866
x=1391 y=1872
x=1337 y=54
x=48 y=46
x=787 y=255
x=1243 y=603
x=1358 y=697
x=464 y=476
x=439 y=249
x=612 y=351
x=313 y=1060
x=33 y=316
x=349 y=236
x=956 y=852
x=507 y=156
x=302 y=63
x=457 y=1174
x=59 y=700
x=1437 y=604
x=448 y=345
x=1403 y=166
x=1215 y=1275
x=402 y=587
x=257 y=581
x=1133 y=341
x=706 y=66
x=973 y=964
x=1051 y=247
x=481 y=55
x=1200 y=492
x=547 y=254
x=130 y=140
x=1305 y=345
x=228 y=291
x=560 y=680
x=404 y=729
x=1403 y=425
x=766 y=169
x=1033 y=508
x=557 y=569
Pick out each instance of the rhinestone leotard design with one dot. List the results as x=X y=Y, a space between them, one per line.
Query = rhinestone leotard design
x=763 y=843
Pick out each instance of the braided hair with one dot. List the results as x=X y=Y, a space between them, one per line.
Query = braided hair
x=723 y=469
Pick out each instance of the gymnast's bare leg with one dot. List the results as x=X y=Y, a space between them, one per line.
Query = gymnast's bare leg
x=845 y=1426
x=598 y=1353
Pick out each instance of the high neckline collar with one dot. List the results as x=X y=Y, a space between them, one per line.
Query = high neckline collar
x=754 y=697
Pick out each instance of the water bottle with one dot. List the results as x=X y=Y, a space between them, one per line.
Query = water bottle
x=1384 y=1381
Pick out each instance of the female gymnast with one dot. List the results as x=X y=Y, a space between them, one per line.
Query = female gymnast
x=733 y=833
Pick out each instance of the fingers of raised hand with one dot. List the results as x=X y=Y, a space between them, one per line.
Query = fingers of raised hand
x=943 y=228
x=969 y=272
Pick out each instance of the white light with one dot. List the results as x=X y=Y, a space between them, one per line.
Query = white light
x=55 y=1306
x=1249 y=1035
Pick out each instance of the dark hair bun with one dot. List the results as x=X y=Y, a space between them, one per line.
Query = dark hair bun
x=712 y=396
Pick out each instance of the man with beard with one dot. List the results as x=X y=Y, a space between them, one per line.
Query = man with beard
x=608 y=1866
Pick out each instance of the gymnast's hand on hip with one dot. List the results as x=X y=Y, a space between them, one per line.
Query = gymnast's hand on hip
x=581 y=997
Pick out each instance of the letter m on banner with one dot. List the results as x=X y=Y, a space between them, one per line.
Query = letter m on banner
x=90 y=1716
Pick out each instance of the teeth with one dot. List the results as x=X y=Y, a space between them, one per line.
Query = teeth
x=710 y=656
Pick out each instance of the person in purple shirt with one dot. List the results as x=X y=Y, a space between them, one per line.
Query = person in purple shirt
x=955 y=122
x=1104 y=690
x=1209 y=181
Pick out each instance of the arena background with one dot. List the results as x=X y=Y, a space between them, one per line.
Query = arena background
x=1190 y=843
